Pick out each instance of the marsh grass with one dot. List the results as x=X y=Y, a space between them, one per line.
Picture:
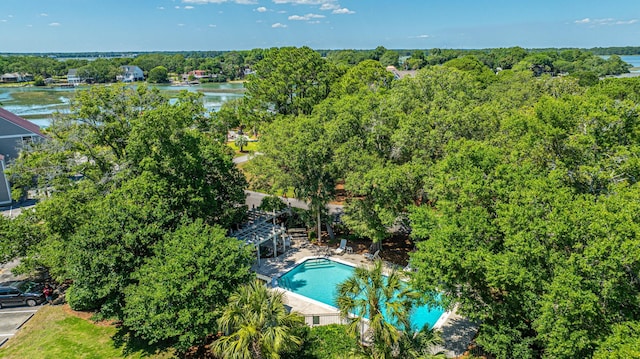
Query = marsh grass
x=44 y=97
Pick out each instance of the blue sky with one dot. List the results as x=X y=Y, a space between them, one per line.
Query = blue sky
x=171 y=25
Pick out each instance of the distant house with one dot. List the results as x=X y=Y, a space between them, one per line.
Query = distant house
x=197 y=75
x=73 y=78
x=130 y=73
x=15 y=132
x=398 y=74
x=16 y=77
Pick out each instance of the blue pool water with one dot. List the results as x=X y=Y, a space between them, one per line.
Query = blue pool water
x=318 y=279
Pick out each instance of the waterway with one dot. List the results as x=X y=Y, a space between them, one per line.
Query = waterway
x=633 y=60
x=37 y=104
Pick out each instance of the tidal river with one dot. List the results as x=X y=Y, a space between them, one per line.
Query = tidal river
x=36 y=104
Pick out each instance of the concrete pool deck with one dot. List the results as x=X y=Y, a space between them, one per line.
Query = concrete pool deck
x=457 y=331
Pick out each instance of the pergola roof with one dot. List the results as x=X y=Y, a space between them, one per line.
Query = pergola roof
x=260 y=227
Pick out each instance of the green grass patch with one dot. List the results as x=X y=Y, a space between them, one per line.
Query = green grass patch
x=55 y=333
x=330 y=342
x=249 y=148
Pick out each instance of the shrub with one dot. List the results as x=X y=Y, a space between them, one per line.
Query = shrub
x=272 y=203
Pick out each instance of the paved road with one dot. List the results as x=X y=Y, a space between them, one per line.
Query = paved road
x=255 y=198
x=15 y=210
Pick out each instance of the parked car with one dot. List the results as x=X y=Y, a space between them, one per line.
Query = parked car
x=20 y=293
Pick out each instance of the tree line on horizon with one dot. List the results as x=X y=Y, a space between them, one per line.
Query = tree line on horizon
x=233 y=65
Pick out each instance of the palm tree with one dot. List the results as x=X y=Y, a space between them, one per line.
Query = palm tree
x=421 y=344
x=256 y=325
x=241 y=141
x=387 y=303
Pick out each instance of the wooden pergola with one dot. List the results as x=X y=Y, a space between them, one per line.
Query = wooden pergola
x=261 y=229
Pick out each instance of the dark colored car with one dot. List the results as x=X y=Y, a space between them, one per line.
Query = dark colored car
x=20 y=293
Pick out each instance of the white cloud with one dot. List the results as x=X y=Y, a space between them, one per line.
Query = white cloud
x=329 y=6
x=29 y=25
x=628 y=22
x=177 y=7
x=422 y=36
x=161 y=8
x=278 y=25
x=342 y=11
x=605 y=21
x=212 y=25
x=306 y=17
x=261 y=9
x=188 y=7
x=3 y=20
x=44 y=14
x=54 y=24
x=9 y=16
x=325 y=5
x=181 y=25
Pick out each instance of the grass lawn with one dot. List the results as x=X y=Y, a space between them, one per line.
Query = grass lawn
x=55 y=332
x=250 y=147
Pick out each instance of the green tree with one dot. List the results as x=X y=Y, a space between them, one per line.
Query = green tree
x=289 y=81
x=366 y=75
x=158 y=75
x=369 y=294
x=38 y=81
x=179 y=292
x=390 y=58
x=256 y=324
x=17 y=236
x=296 y=154
x=623 y=343
x=241 y=141
x=421 y=344
x=134 y=182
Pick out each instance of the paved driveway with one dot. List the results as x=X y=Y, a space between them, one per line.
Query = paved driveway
x=12 y=319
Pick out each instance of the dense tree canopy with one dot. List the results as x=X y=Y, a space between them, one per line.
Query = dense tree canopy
x=134 y=190
x=520 y=188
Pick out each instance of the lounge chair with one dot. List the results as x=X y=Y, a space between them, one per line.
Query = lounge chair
x=342 y=248
x=373 y=256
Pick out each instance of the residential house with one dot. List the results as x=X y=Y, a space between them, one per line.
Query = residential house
x=398 y=74
x=16 y=77
x=15 y=132
x=197 y=75
x=130 y=73
x=73 y=78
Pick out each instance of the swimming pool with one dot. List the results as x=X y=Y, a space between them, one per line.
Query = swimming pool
x=318 y=279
